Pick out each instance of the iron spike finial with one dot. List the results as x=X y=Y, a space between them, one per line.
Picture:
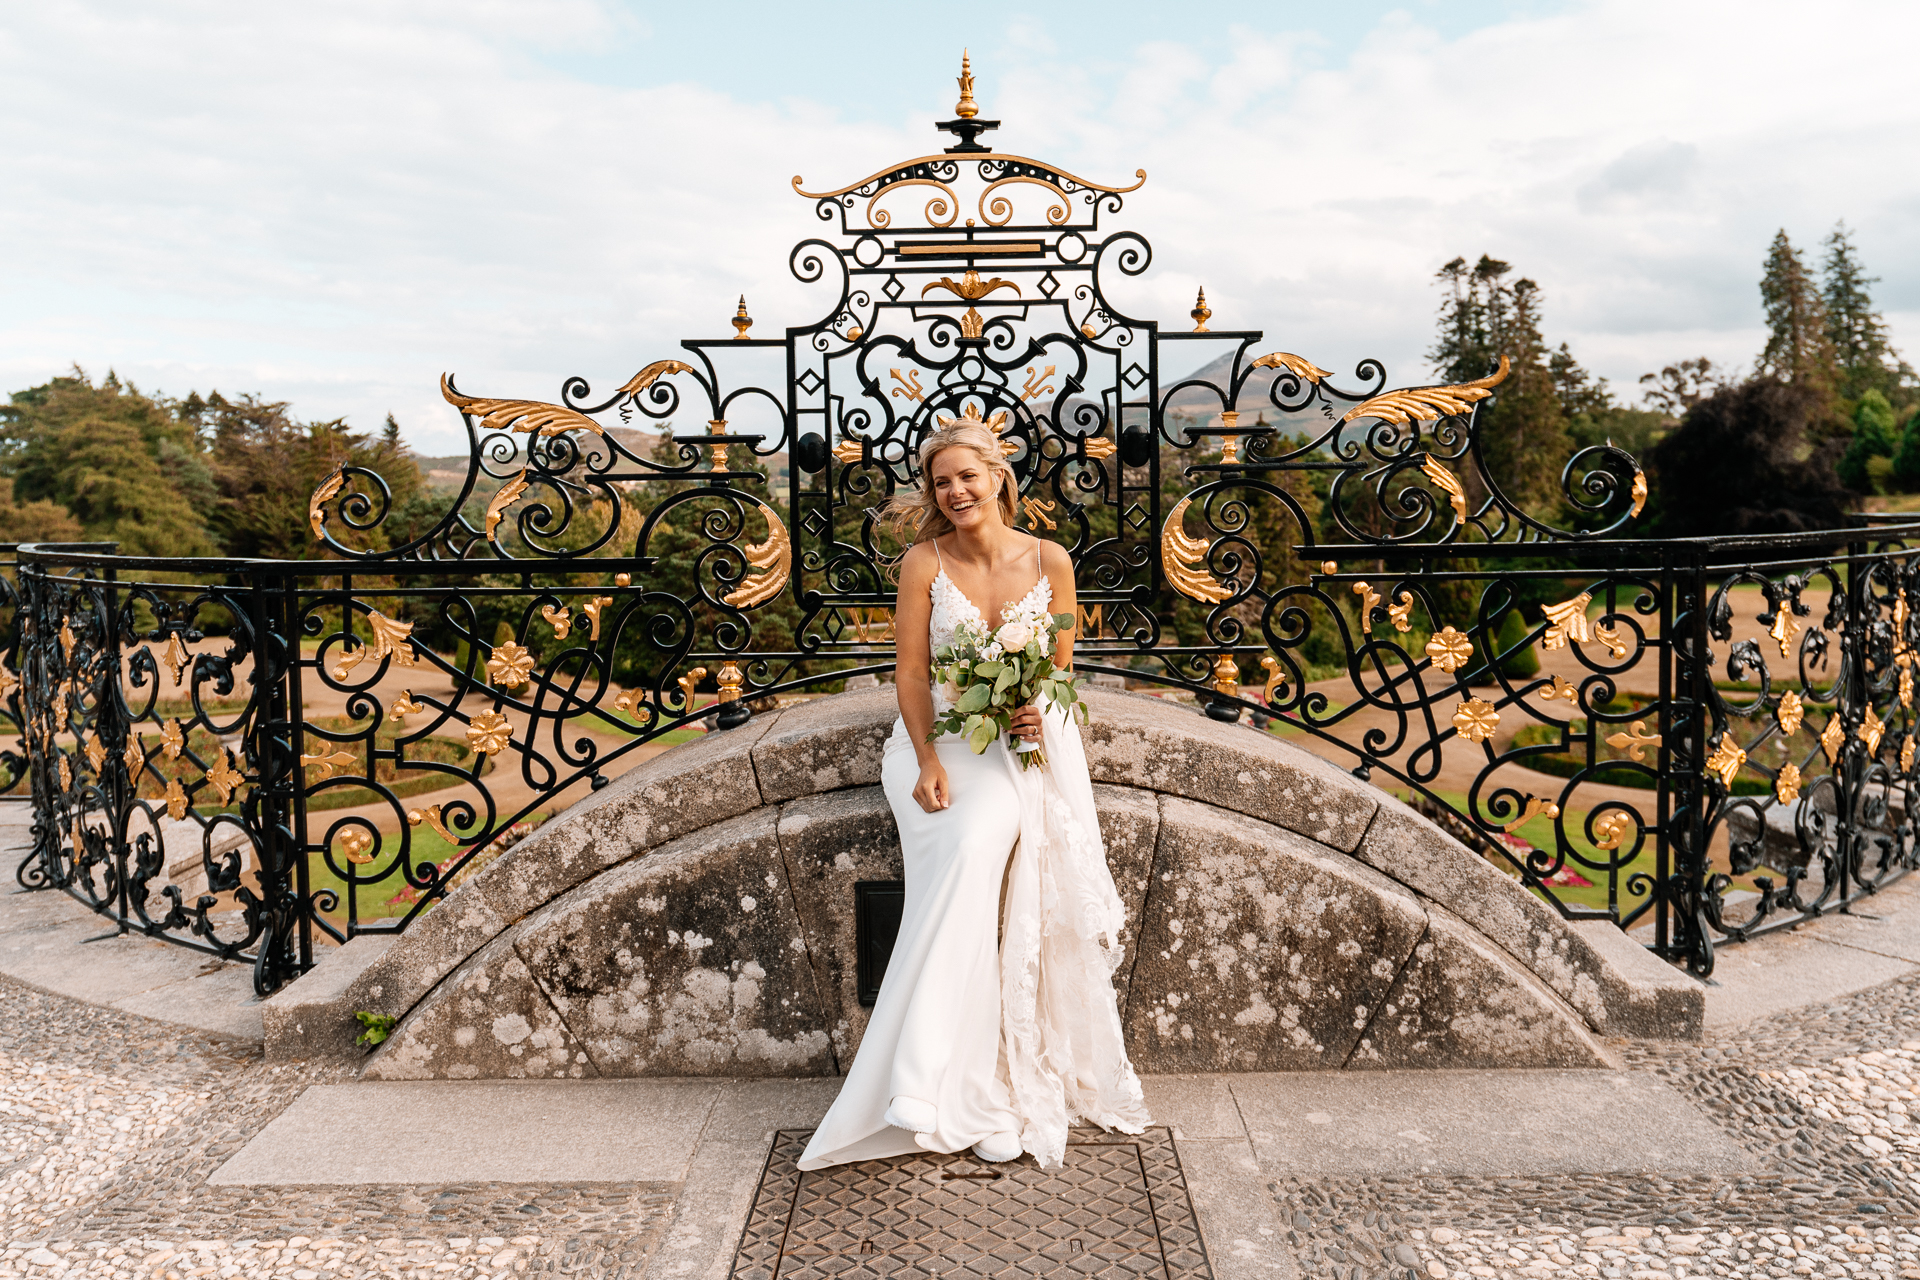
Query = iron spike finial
x=742 y=321
x=966 y=124
x=967 y=108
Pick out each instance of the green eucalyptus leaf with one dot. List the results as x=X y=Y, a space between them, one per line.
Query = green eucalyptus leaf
x=974 y=699
x=982 y=737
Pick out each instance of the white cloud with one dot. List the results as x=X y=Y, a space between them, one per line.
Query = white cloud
x=334 y=204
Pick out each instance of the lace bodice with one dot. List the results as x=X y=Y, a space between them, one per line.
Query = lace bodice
x=952 y=610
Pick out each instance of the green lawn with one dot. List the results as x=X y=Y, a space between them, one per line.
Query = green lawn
x=376 y=900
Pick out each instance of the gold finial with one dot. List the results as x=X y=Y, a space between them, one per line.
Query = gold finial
x=967 y=108
x=742 y=321
x=1200 y=313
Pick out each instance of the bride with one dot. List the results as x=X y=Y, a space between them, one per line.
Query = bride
x=996 y=1025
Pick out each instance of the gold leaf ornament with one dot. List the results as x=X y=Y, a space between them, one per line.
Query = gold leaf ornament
x=431 y=816
x=1476 y=719
x=688 y=683
x=1535 y=808
x=1639 y=493
x=1789 y=713
x=8 y=682
x=176 y=656
x=1726 y=760
x=510 y=665
x=1369 y=601
x=66 y=773
x=317 y=504
x=1906 y=687
x=489 y=733
x=1635 y=741
x=1422 y=404
x=1299 y=366
x=548 y=419
x=592 y=609
x=1784 y=629
x=1449 y=649
x=1180 y=554
x=96 y=753
x=224 y=777
x=327 y=762
x=1871 y=730
x=508 y=494
x=1614 y=640
x=1567 y=620
x=1906 y=755
x=355 y=844
x=1786 y=783
x=559 y=619
x=391 y=638
x=1450 y=483
x=1276 y=678
x=1610 y=829
x=172 y=741
x=176 y=800
x=970 y=286
x=404 y=706
x=773 y=558
x=1401 y=614
x=1833 y=739
x=135 y=756
x=1561 y=688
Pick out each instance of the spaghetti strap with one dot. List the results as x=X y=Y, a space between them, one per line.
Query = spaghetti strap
x=937 y=557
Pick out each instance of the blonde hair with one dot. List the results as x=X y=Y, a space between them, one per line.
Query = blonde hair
x=915 y=516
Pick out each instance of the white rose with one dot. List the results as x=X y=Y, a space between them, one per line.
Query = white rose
x=1015 y=635
x=992 y=652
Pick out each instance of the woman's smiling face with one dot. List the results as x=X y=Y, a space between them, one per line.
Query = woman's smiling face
x=965 y=488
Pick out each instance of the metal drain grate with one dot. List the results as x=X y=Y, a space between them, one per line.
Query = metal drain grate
x=1117 y=1207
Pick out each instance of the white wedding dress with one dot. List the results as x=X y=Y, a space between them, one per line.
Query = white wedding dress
x=999 y=1013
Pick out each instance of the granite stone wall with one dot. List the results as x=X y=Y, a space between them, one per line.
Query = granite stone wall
x=695 y=917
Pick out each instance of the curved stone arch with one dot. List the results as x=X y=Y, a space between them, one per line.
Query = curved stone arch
x=694 y=917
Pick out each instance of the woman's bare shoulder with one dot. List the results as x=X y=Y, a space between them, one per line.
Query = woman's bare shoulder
x=917 y=565
x=1054 y=558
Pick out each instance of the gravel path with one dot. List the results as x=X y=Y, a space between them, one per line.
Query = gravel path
x=1825 y=1097
x=110 y=1124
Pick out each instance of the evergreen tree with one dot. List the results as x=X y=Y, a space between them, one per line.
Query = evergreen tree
x=1581 y=394
x=126 y=467
x=266 y=466
x=1682 y=385
x=1906 y=457
x=1857 y=332
x=1523 y=435
x=1874 y=436
x=1798 y=349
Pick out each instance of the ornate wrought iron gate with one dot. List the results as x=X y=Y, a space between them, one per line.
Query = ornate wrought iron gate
x=228 y=753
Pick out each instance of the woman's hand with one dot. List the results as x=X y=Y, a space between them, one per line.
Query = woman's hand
x=1026 y=723
x=931 y=792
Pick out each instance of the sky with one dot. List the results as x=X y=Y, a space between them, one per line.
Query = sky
x=334 y=203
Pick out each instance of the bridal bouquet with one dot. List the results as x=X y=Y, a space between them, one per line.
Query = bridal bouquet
x=986 y=678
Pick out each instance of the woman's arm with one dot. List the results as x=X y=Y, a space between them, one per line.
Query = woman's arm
x=913 y=672
x=1058 y=566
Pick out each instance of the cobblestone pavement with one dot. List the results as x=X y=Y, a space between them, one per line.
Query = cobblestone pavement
x=1825 y=1097
x=110 y=1124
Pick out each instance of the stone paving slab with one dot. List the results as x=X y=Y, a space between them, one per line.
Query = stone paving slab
x=480 y=1131
x=1478 y=1122
x=44 y=942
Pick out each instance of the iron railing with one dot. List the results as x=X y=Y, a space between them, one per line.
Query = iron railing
x=253 y=757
